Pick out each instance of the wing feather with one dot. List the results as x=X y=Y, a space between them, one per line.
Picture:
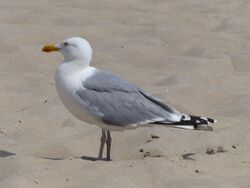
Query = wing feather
x=118 y=102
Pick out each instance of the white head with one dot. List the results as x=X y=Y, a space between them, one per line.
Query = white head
x=73 y=49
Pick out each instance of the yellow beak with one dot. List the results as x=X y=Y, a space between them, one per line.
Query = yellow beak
x=50 y=48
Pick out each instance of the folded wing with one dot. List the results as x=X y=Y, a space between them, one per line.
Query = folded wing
x=118 y=102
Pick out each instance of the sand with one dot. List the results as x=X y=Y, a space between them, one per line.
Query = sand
x=194 y=55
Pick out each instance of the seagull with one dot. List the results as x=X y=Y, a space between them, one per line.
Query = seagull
x=104 y=99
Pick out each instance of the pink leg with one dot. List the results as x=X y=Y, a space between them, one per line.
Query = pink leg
x=108 y=142
x=103 y=140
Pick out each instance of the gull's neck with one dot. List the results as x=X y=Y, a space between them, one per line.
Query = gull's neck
x=68 y=68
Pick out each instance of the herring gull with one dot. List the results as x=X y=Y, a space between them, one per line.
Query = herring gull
x=104 y=99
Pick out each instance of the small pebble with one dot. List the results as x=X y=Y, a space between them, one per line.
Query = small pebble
x=44 y=101
x=221 y=149
x=149 y=140
x=20 y=121
x=197 y=171
x=210 y=151
x=141 y=150
x=153 y=136
x=36 y=181
x=233 y=146
x=147 y=154
x=157 y=156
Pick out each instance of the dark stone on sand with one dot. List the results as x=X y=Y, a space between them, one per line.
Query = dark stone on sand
x=153 y=136
x=210 y=151
x=188 y=156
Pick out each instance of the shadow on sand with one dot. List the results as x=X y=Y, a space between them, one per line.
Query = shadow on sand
x=4 y=153
x=88 y=158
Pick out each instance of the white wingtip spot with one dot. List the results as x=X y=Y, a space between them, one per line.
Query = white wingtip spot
x=197 y=121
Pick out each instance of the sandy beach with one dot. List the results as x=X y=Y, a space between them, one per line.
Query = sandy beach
x=194 y=55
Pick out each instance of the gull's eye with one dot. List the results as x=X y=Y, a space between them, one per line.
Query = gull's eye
x=65 y=43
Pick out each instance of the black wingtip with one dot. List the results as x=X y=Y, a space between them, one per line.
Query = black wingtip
x=210 y=120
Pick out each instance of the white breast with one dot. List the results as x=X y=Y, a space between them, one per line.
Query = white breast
x=67 y=82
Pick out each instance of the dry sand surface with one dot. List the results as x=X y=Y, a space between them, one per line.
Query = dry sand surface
x=194 y=55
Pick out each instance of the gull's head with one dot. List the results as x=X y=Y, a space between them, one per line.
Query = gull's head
x=74 y=48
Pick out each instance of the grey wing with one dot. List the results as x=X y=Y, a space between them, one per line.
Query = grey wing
x=118 y=102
